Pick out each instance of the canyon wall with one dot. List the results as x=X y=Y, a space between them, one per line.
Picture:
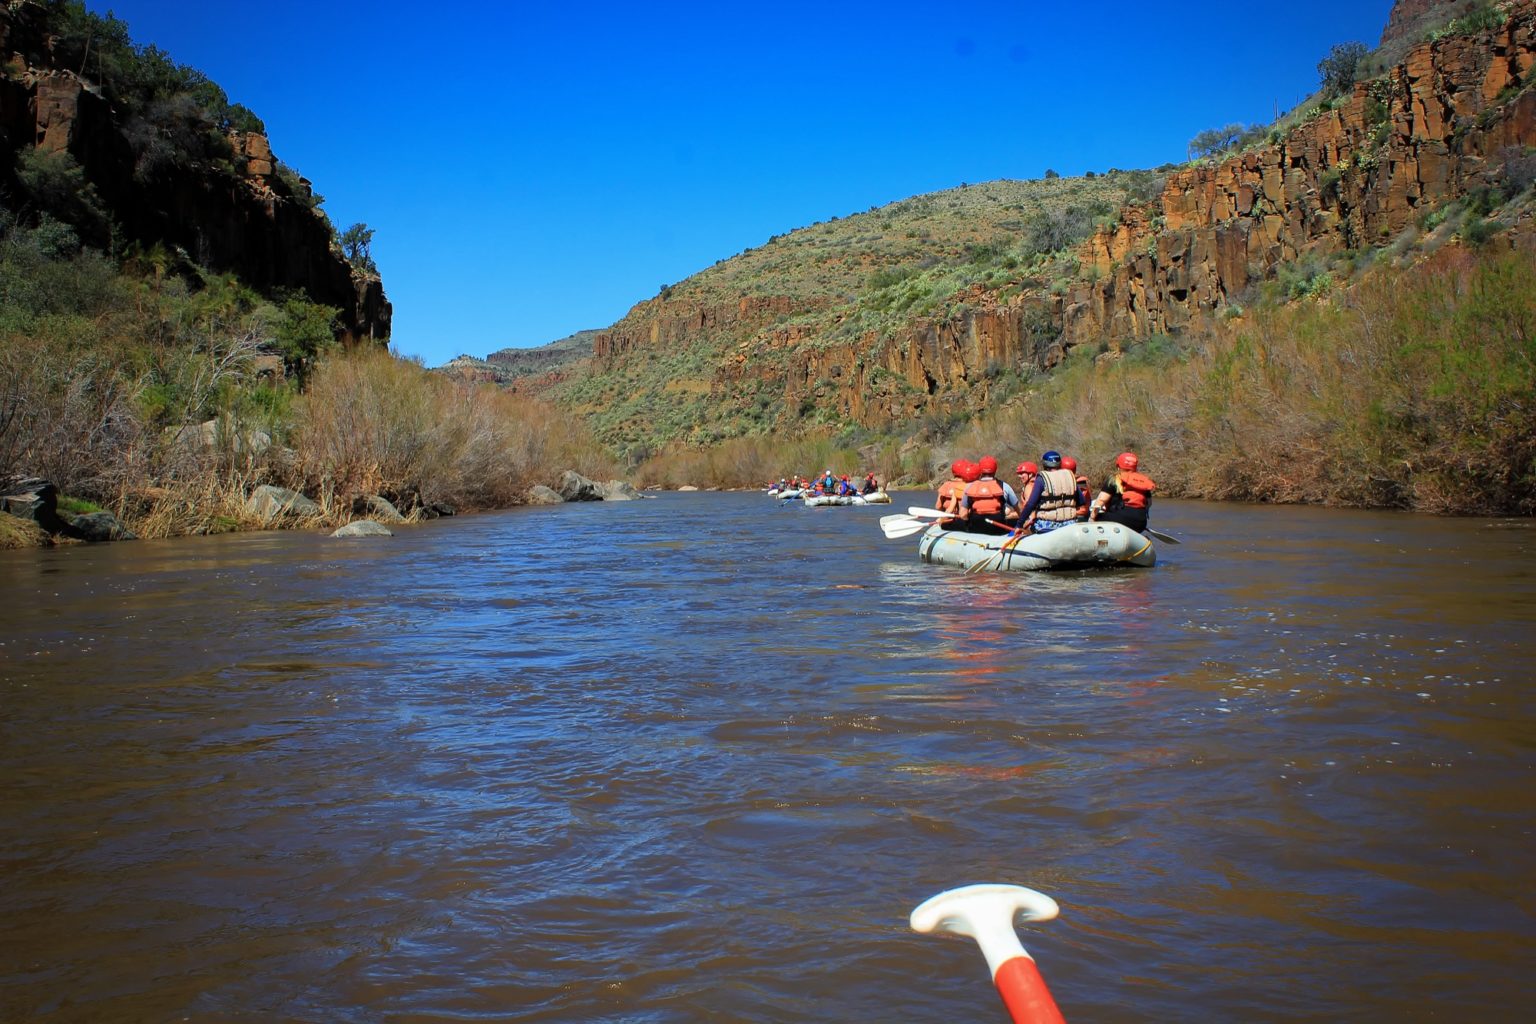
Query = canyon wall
x=229 y=217
x=1437 y=126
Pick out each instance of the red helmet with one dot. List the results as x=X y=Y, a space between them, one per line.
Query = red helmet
x=1027 y=469
x=988 y=465
x=971 y=473
x=1127 y=461
x=1068 y=462
x=958 y=467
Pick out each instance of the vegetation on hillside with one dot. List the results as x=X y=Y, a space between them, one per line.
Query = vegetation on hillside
x=108 y=373
x=869 y=272
x=141 y=383
x=1414 y=389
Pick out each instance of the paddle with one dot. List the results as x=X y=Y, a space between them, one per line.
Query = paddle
x=1164 y=537
x=986 y=913
x=1007 y=546
x=934 y=513
x=902 y=526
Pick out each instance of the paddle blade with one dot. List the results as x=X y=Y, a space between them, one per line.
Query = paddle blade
x=928 y=513
x=901 y=526
x=1166 y=538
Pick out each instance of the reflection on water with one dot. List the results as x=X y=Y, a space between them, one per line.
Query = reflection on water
x=697 y=758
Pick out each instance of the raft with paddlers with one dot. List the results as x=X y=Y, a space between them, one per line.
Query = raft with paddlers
x=822 y=500
x=1076 y=546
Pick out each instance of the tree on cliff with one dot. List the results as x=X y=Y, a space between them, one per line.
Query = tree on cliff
x=355 y=243
x=1341 y=68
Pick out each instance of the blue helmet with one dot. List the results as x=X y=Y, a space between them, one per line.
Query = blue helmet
x=1051 y=460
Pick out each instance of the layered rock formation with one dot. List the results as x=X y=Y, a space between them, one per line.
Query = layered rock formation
x=233 y=218
x=1434 y=128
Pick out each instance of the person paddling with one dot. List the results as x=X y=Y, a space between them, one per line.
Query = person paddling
x=987 y=499
x=1052 y=499
x=950 y=493
x=1127 y=495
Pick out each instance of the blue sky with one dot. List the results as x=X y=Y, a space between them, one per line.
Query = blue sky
x=531 y=170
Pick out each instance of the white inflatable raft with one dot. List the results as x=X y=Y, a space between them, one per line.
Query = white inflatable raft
x=820 y=500
x=1079 y=546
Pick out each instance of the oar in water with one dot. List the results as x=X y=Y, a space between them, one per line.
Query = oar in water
x=1001 y=553
x=1164 y=537
x=986 y=913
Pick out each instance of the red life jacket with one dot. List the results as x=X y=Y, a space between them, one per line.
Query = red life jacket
x=986 y=497
x=950 y=491
x=1135 y=489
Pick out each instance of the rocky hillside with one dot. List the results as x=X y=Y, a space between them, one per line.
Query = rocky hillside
x=903 y=319
x=165 y=168
x=1453 y=117
x=508 y=366
x=755 y=343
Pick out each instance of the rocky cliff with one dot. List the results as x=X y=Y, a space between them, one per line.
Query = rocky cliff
x=232 y=216
x=1438 y=125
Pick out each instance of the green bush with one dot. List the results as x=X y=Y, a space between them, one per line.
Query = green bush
x=1340 y=69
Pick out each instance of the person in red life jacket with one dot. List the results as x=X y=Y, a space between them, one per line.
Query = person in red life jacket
x=1052 y=499
x=950 y=493
x=987 y=500
x=1127 y=495
x=871 y=485
x=1070 y=464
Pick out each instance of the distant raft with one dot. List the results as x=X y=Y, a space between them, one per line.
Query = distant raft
x=823 y=500
x=876 y=498
x=785 y=495
x=1079 y=546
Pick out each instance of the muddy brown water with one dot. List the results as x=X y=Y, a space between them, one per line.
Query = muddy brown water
x=697 y=759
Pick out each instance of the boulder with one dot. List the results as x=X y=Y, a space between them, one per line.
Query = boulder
x=377 y=508
x=363 y=528
x=575 y=487
x=211 y=433
x=268 y=503
x=101 y=526
x=36 y=499
x=620 y=490
x=538 y=494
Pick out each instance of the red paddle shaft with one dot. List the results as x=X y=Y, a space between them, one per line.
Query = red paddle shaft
x=986 y=913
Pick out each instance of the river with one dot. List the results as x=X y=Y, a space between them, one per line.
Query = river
x=697 y=758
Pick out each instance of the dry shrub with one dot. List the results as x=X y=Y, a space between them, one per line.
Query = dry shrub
x=1414 y=390
x=371 y=423
x=68 y=416
x=16 y=532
